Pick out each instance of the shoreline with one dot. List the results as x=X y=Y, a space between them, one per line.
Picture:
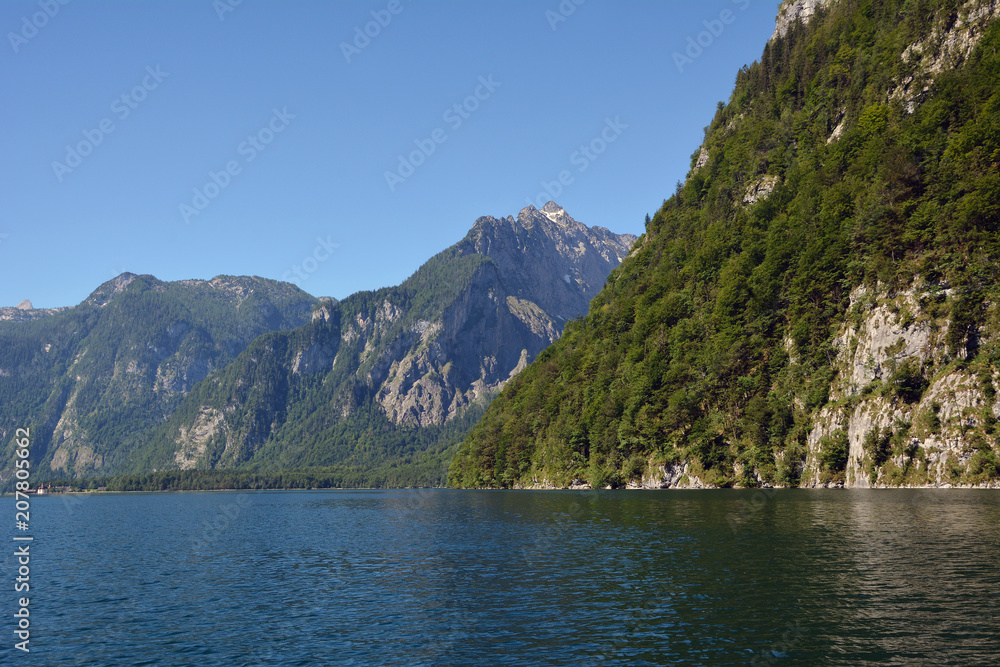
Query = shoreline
x=943 y=486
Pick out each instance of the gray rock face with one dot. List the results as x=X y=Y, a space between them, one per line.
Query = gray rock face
x=947 y=45
x=109 y=290
x=795 y=10
x=759 y=190
x=545 y=268
x=941 y=429
x=547 y=257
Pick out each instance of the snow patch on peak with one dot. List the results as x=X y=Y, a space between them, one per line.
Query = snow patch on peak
x=556 y=213
x=554 y=217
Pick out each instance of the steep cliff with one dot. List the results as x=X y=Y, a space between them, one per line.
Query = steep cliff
x=816 y=303
x=911 y=403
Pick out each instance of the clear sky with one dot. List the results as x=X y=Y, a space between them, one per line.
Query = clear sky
x=194 y=138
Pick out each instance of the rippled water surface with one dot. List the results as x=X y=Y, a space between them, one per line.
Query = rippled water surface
x=454 y=577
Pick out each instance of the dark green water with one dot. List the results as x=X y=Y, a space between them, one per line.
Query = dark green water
x=448 y=577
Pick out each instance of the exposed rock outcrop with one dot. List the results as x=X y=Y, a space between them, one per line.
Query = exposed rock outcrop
x=544 y=269
x=947 y=45
x=910 y=414
x=759 y=190
x=791 y=11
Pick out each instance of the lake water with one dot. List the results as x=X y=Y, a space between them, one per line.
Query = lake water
x=460 y=577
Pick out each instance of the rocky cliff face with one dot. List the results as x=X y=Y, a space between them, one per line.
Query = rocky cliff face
x=545 y=268
x=911 y=405
x=910 y=402
x=791 y=11
x=947 y=45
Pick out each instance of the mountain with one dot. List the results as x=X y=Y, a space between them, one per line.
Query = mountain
x=817 y=304
x=93 y=379
x=383 y=384
x=24 y=311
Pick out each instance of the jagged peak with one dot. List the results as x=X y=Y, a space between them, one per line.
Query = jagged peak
x=25 y=305
x=551 y=221
x=557 y=214
x=552 y=212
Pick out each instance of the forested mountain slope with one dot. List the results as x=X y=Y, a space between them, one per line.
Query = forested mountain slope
x=817 y=304
x=90 y=381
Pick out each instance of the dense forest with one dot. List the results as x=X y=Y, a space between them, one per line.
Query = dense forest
x=388 y=477
x=712 y=345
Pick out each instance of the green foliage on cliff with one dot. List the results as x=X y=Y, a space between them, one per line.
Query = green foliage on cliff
x=686 y=354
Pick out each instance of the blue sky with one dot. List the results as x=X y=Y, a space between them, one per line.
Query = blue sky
x=194 y=138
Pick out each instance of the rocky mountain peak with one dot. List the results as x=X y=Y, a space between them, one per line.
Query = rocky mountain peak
x=552 y=212
x=106 y=292
x=557 y=214
x=25 y=305
x=544 y=268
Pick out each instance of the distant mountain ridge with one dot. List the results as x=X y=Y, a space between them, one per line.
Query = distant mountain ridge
x=25 y=311
x=393 y=374
x=145 y=375
x=92 y=379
